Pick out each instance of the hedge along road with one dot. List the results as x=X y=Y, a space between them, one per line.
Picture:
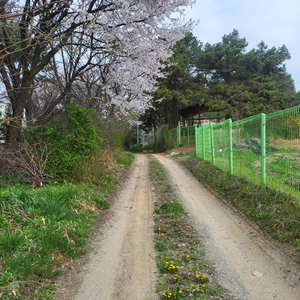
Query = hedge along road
x=123 y=264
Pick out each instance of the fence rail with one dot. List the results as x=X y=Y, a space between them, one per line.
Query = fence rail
x=264 y=149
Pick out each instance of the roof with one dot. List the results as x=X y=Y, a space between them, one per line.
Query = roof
x=193 y=110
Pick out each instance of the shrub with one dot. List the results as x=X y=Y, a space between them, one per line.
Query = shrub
x=70 y=142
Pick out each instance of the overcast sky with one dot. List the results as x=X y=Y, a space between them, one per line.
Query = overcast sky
x=276 y=22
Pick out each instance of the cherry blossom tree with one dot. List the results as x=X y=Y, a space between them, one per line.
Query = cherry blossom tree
x=127 y=38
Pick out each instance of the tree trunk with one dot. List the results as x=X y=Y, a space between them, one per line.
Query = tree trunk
x=18 y=105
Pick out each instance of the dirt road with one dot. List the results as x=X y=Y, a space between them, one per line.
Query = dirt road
x=248 y=265
x=123 y=264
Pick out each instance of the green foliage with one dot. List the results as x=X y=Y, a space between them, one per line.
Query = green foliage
x=70 y=142
x=40 y=227
x=11 y=241
x=246 y=83
x=124 y=158
x=162 y=142
x=114 y=131
x=50 y=207
x=225 y=78
x=159 y=246
x=103 y=204
x=180 y=87
x=171 y=208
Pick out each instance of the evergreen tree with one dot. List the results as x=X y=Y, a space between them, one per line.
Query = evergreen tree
x=227 y=77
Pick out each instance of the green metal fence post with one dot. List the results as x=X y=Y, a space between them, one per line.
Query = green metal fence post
x=263 y=149
x=212 y=144
x=230 y=147
x=196 y=141
x=179 y=134
x=203 y=142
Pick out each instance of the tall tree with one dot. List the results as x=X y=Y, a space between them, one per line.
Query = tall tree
x=226 y=76
x=180 y=86
x=33 y=32
x=246 y=83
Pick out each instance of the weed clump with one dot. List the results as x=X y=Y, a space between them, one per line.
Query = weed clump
x=41 y=231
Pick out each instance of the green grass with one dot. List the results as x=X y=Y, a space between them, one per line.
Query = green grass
x=40 y=231
x=124 y=158
x=282 y=168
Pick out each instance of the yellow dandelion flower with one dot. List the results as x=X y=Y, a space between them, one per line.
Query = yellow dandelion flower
x=179 y=291
x=203 y=285
x=187 y=256
x=198 y=290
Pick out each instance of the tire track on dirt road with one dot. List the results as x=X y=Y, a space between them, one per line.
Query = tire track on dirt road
x=235 y=252
x=123 y=266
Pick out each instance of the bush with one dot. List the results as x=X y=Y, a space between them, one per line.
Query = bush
x=70 y=142
x=114 y=131
x=124 y=158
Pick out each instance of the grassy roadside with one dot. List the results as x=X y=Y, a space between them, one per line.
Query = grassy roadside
x=43 y=229
x=276 y=213
x=184 y=271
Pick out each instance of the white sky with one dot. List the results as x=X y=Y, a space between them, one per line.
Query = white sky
x=276 y=22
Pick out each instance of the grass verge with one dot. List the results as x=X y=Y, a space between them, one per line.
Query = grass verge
x=184 y=271
x=274 y=212
x=42 y=230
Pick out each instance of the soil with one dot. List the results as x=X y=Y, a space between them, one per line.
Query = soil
x=285 y=144
x=121 y=260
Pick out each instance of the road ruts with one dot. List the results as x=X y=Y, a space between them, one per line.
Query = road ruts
x=123 y=265
x=237 y=250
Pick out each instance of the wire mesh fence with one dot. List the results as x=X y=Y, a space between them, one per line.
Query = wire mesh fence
x=263 y=149
x=187 y=136
x=283 y=164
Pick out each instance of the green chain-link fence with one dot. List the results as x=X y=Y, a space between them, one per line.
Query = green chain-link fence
x=264 y=149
